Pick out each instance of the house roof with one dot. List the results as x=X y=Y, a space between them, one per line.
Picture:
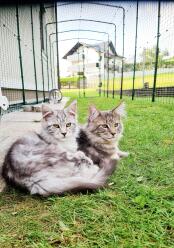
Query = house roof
x=99 y=47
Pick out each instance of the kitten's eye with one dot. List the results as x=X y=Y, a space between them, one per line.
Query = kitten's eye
x=68 y=124
x=56 y=126
x=116 y=124
x=105 y=126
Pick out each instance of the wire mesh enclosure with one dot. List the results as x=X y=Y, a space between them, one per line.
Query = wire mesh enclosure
x=142 y=36
x=90 y=52
x=24 y=76
x=111 y=49
x=153 y=67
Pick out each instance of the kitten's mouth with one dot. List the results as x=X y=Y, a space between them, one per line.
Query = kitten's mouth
x=61 y=138
x=110 y=138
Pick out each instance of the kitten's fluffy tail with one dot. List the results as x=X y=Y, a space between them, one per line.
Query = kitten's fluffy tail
x=54 y=185
x=97 y=181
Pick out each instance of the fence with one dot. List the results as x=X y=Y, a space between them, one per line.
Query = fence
x=24 y=75
x=153 y=62
x=130 y=46
x=144 y=37
x=153 y=65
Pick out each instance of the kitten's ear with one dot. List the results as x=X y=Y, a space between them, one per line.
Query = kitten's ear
x=72 y=108
x=120 y=109
x=93 y=113
x=46 y=111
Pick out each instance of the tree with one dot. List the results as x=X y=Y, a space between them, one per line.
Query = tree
x=149 y=54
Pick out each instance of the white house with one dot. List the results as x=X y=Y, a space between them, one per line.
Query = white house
x=93 y=61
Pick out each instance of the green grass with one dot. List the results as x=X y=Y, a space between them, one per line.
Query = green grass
x=89 y=92
x=72 y=80
x=136 y=211
x=163 y=80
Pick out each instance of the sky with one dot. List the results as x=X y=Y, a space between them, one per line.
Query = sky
x=147 y=27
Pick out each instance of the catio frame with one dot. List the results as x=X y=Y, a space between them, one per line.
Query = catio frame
x=89 y=20
x=22 y=57
x=123 y=13
x=85 y=30
x=156 y=92
x=40 y=77
x=99 y=75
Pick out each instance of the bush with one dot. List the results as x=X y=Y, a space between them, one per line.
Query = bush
x=70 y=81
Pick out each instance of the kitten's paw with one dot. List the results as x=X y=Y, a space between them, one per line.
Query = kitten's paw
x=2 y=185
x=69 y=156
x=123 y=154
x=82 y=158
x=115 y=156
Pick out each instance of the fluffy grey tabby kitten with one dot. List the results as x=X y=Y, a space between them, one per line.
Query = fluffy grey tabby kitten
x=99 y=138
x=48 y=162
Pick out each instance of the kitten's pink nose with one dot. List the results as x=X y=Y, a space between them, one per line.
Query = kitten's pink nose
x=64 y=134
x=113 y=134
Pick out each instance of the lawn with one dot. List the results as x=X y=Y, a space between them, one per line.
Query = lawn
x=163 y=80
x=135 y=211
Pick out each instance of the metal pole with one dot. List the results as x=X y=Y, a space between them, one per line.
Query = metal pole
x=34 y=59
x=113 y=86
x=47 y=57
x=157 y=53
x=107 y=92
x=122 y=69
x=57 y=46
x=79 y=70
x=104 y=71
x=144 y=63
x=41 y=30
x=51 y=62
x=135 y=55
x=53 y=65
x=83 y=55
x=82 y=38
x=83 y=30
x=99 y=74
x=83 y=19
x=20 y=54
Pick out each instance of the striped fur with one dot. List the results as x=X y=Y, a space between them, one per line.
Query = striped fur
x=48 y=162
x=99 y=138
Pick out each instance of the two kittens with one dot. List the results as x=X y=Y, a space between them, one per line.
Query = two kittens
x=63 y=158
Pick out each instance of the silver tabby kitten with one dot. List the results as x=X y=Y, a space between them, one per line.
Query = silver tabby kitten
x=48 y=162
x=99 y=138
